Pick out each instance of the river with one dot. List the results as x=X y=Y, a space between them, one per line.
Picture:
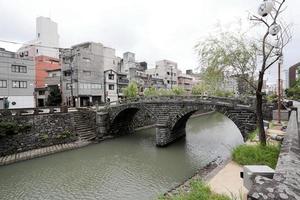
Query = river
x=129 y=167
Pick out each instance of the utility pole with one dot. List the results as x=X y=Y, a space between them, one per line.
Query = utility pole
x=279 y=90
x=171 y=77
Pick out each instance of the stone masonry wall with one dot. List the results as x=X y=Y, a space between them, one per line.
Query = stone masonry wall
x=286 y=181
x=43 y=130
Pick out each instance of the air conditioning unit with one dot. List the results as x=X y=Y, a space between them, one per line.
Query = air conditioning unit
x=251 y=171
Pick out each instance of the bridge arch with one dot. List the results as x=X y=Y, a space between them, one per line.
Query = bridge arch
x=122 y=121
x=244 y=119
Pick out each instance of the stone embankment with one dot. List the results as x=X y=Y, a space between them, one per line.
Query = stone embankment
x=285 y=183
x=202 y=174
x=9 y=159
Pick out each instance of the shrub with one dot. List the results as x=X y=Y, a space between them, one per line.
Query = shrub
x=178 y=90
x=256 y=155
x=12 y=128
x=151 y=91
x=199 y=191
x=131 y=90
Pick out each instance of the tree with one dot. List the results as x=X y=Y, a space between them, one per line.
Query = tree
x=270 y=53
x=227 y=55
x=177 y=90
x=199 y=89
x=131 y=90
x=240 y=55
x=54 y=98
x=151 y=91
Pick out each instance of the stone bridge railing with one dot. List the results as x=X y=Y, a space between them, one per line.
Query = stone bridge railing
x=33 y=111
x=249 y=102
x=286 y=181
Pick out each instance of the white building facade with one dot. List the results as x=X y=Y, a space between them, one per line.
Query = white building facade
x=17 y=80
x=166 y=70
x=46 y=42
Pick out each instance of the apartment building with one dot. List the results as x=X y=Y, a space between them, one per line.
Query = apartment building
x=294 y=74
x=166 y=70
x=17 y=80
x=46 y=41
x=185 y=81
x=114 y=82
x=83 y=74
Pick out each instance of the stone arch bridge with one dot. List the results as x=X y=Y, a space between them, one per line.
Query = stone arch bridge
x=170 y=115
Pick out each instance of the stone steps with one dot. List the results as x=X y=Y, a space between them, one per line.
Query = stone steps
x=84 y=131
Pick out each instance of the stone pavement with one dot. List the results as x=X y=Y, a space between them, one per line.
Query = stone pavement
x=9 y=159
x=227 y=181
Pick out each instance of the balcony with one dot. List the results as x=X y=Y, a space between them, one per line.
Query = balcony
x=123 y=81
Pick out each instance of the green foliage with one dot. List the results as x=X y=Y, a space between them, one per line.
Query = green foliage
x=221 y=93
x=54 y=98
x=256 y=155
x=65 y=134
x=294 y=92
x=178 y=90
x=272 y=98
x=199 y=191
x=151 y=91
x=12 y=128
x=252 y=135
x=165 y=92
x=225 y=52
x=131 y=90
x=199 y=89
x=44 y=137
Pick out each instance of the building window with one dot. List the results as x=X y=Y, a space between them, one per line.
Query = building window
x=68 y=86
x=42 y=92
x=39 y=35
x=168 y=81
x=19 y=84
x=19 y=69
x=111 y=87
x=168 y=73
x=111 y=76
x=37 y=50
x=87 y=73
x=3 y=84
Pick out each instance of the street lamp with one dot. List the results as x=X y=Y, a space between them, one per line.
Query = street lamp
x=266 y=8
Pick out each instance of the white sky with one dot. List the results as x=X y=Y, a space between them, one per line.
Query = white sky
x=152 y=29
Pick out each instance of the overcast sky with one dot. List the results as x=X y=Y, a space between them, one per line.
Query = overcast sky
x=152 y=29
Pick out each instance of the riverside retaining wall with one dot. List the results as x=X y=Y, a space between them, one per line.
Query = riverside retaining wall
x=286 y=181
x=36 y=131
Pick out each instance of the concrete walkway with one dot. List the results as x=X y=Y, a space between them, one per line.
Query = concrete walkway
x=227 y=181
x=9 y=159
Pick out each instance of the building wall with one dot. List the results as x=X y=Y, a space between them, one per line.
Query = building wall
x=18 y=97
x=42 y=64
x=110 y=59
x=293 y=73
x=166 y=70
x=128 y=62
x=46 y=38
x=87 y=63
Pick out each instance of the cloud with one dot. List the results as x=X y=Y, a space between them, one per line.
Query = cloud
x=153 y=29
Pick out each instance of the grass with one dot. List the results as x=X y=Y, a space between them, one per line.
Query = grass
x=252 y=135
x=256 y=155
x=199 y=191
